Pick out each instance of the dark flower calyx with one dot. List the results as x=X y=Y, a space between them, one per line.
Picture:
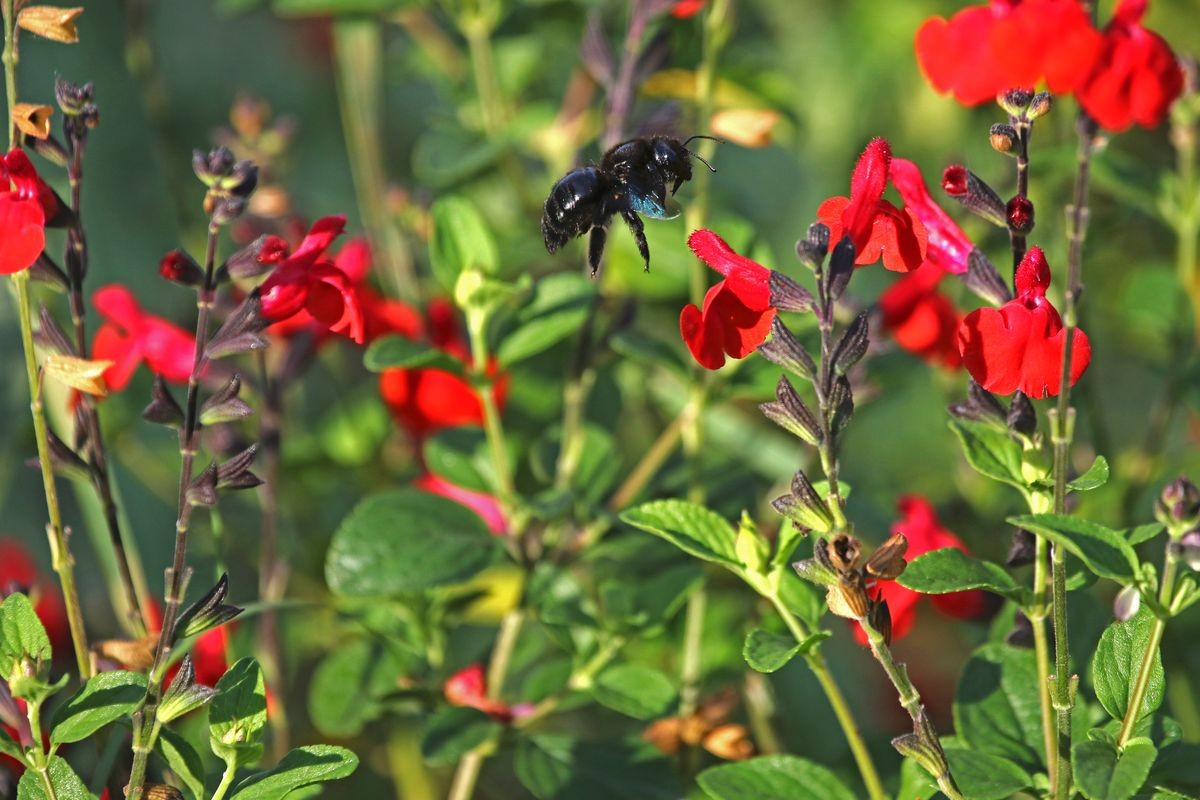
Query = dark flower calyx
x=974 y=194
x=1019 y=214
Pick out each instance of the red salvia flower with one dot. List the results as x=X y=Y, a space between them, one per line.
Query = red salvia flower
x=468 y=687
x=130 y=336
x=19 y=573
x=1020 y=345
x=878 y=229
x=1135 y=77
x=482 y=504
x=308 y=281
x=919 y=524
x=426 y=400
x=922 y=320
x=947 y=246
x=737 y=312
x=22 y=216
x=682 y=9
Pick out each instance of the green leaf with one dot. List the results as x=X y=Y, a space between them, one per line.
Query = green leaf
x=184 y=761
x=1117 y=661
x=991 y=451
x=994 y=710
x=915 y=782
x=454 y=731
x=981 y=776
x=952 y=570
x=460 y=241
x=10 y=748
x=690 y=527
x=598 y=466
x=67 y=785
x=766 y=652
x=1103 y=775
x=399 y=352
x=347 y=686
x=238 y=712
x=21 y=635
x=1095 y=477
x=555 y=767
x=560 y=306
x=406 y=541
x=103 y=699
x=772 y=778
x=1143 y=533
x=461 y=456
x=1103 y=550
x=303 y=766
x=634 y=690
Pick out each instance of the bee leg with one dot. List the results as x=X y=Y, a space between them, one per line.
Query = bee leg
x=596 y=248
x=639 y=235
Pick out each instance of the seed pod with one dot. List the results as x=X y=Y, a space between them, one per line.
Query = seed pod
x=880 y=618
x=887 y=562
x=849 y=598
x=843 y=552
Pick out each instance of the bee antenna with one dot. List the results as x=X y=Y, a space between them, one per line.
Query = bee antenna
x=702 y=136
x=700 y=158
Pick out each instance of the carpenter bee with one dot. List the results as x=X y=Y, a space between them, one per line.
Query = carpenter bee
x=631 y=179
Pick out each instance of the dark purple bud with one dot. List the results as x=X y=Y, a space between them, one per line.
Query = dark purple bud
x=785 y=350
x=1022 y=418
x=790 y=413
x=202 y=491
x=1019 y=214
x=163 y=409
x=50 y=336
x=974 y=194
x=811 y=251
x=980 y=406
x=984 y=280
x=787 y=295
x=852 y=345
x=1015 y=101
x=1023 y=549
x=1178 y=507
x=1021 y=634
x=178 y=267
x=225 y=405
x=841 y=268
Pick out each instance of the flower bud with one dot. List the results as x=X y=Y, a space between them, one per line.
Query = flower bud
x=1126 y=603
x=790 y=413
x=1040 y=105
x=225 y=405
x=785 y=350
x=163 y=408
x=258 y=257
x=980 y=406
x=178 y=267
x=184 y=694
x=1188 y=549
x=1004 y=139
x=815 y=571
x=1178 y=507
x=811 y=251
x=787 y=295
x=1023 y=548
x=1015 y=101
x=804 y=506
x=974 y=194
x=235 y=473
x=1019 y=214
x=73 y=99
x=984 y=279
x=1022 y=417
x=210 y=611
x=210 y=167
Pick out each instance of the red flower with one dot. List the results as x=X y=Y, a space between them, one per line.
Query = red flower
x=426 y=400
x=877 y=228
x=984 y=50
x=1020 y=345
x=948 y=247
x=687 y=8
x=19 y=573
x=482 y=504
x=130 y=336
x=209 y=655
x=308 y=281
x=924 y=533
x=737 y=311
x=22 y=217
x=921 y=319
x=1135 y=77
x=468 y=687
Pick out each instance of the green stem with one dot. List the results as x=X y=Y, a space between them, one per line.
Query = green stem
x=226 y=779
x=580 y=679
x=467 y=775
x=1133 y=711
x=691 y=668
x=1041 y=648
x=492 y=425
x=837 y=701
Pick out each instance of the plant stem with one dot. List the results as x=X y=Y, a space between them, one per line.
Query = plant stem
x=1041 y=648
x=1017 y=240
x=60 y=553
x=1133 y=711
x=226 y=779
x=492 y=425
x=177 y=574
x=837 y=701
x=580 y=679
x=467 y=775
x=1062 y=431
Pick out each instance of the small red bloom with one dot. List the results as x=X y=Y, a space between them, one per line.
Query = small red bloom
x=426 y=400
x=687 y=8
x=921 y=319
x=878 y=229
x=737 y=312
x=1020 y=345
x=482 y=504
x=22 y=217
x=948 y=247
x=308 y=281
x=19 y=573
x=130 y=336
x=924 y=533
x=468 y=687
x=1136 y=76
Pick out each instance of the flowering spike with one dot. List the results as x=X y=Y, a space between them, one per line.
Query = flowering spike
x=785 y=350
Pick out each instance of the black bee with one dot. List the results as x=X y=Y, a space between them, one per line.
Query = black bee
x=632 y=179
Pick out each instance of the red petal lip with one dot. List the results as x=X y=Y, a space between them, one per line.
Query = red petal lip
x=948 y=246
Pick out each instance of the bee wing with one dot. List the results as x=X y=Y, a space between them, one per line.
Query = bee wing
x=649 y=197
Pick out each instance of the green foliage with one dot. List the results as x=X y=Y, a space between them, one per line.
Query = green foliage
x=556 y=767
x=301 y=767
x=398 y=352
x=66 y=784
x=692 y=528
x=772 y=778
x=454 y=731
x=23 y=641
x=1095 y=477
x=183 y=760
x=991 y=451
x=634 y=690
x=559 y=307
x=951 y=570
x=994 y=710
x=105 y=698
x=767 y=652
x=460 y=241
x=406 y=541
x=1103 y=774
x=982 y=776
x=238 y=713
x=1117 y=661
x=1104 y=550
x=348 y=686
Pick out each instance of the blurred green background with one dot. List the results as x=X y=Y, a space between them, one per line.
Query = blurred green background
x=839 y=73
